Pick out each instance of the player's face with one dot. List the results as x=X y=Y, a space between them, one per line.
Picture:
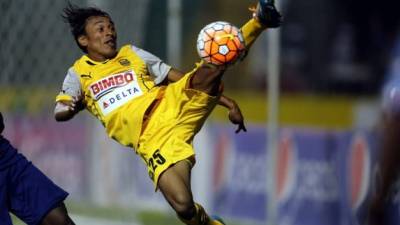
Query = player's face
x=100 y=39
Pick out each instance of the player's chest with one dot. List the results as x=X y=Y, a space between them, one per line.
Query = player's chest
x=109 y=89
x=101 y=79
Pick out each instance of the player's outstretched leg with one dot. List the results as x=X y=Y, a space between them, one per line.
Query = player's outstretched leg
x=265 y=15
x=174 y=184
x=207 y=77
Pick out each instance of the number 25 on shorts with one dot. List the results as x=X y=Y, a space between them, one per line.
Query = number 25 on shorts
x=155 y=160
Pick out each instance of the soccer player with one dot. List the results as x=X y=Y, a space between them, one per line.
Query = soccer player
x=145 y=104
x=26 y=192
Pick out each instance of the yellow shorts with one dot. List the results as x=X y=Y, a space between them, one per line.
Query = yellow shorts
x=168 y=135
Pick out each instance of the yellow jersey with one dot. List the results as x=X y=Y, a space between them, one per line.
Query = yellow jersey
x=117 y=91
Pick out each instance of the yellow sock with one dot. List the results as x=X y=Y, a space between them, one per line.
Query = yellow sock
x=214 y=222
x=251 y=30
x=200 y=218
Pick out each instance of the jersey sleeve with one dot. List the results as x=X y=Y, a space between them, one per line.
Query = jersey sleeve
x=71 y=87
x=157 y=68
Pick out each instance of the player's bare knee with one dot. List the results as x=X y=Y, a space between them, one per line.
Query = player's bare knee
x=186 y=211
x=183 y=204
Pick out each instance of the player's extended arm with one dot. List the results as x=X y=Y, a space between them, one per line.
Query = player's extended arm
x=389 y=166
x=390 y=161
x=174 y=75
x=235 y=114
x=390 y=155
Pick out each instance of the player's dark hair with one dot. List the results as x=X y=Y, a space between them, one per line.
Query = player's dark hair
x=77 y=17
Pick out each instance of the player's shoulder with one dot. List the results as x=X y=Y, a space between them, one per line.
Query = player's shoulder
x=128 y=50
x=83 y=65
x=73 y=72
x=131 y=48
x=139 y=52
x=80 y=62
x=136 y=49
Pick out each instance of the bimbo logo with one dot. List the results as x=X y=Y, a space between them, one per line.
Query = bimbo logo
x=286 y=167
x=359 y=169
x=107 y=84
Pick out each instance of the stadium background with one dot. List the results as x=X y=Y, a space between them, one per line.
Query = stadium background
x=335 y=55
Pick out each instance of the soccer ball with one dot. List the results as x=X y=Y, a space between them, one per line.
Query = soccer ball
x=220 y=43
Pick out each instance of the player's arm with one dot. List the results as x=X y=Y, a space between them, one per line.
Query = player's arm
x=66 y=109
x=69 y=101
x=389 y=154
x=174 y=75
x=389 y=164
x=235 y=114
x=390 y=125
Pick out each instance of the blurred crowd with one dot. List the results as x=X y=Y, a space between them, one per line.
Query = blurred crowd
x=338 y=46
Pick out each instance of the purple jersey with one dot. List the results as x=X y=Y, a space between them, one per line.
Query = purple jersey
x=8 y=154
x=24 y=189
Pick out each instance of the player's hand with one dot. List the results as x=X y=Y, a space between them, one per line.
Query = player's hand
x=236 y=117
x=75 y=105
x=66 y=109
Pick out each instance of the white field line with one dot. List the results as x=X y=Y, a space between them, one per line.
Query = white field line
x=84 y=220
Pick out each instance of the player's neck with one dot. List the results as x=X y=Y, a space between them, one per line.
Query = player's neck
x=99 y=58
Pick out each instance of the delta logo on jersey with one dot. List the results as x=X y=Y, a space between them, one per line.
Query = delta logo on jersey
x=286 y=167
x=359 y=168
x=115 y=90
